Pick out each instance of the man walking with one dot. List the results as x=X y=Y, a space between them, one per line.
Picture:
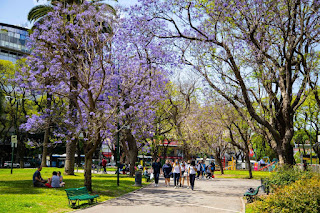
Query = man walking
x=156 y=167
x=104 y=164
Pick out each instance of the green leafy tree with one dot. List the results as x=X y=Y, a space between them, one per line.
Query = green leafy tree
x=15 y=105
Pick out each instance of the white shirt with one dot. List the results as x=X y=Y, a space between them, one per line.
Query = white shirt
x=192 y=170
x=176 y=169
x=198 y=166
x=183 y=168
x=187 y=167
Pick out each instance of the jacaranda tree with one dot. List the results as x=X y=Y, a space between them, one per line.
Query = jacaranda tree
x=259 y=55
x=110 y=86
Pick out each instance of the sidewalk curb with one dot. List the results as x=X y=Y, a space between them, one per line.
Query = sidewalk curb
x=92 y=205
x=243 y=207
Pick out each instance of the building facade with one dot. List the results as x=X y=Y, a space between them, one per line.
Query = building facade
x=13 y=40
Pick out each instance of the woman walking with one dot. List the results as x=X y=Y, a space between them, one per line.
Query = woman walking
x=176 y=173
x=198 y=169
x=192 y=173
x=187 y=173
x=167 y=168
x=183 y=169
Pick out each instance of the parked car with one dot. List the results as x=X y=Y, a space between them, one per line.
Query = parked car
x=27 y=165
x=7 y=164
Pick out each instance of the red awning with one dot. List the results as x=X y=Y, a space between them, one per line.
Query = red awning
x=107 y=154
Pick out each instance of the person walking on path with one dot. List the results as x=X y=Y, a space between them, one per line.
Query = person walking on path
x=104 y=165
x=203 y=169
x=187 y=173
x=183 y=172
x=208 y=172
x=156 y=167
x=198 y=167
x=192 y=173
x=166 y=169
x=38 y=181
x=213 y=168
x=176 y=173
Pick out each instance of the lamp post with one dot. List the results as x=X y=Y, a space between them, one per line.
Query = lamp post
x=118 y=139
x=14 y=140
x=118 y=132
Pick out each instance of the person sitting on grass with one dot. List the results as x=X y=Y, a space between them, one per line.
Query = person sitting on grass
x=54 y=181
x=61 y=179
x=38 y=181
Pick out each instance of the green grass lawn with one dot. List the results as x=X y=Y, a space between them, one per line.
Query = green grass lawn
x=17 y=193
x=242 y=174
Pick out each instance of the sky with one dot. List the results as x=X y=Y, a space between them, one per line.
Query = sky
x=15 y=12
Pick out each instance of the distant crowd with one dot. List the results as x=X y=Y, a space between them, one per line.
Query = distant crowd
x=182 y=170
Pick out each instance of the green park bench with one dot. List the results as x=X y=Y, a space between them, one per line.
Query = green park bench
x=252 y=195
x=79 y=194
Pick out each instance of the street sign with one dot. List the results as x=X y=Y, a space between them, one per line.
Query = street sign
x=14 y=141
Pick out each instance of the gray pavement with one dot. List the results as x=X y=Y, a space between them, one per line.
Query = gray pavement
x=217 y=195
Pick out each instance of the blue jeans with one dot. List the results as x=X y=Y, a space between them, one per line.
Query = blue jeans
x=176 y=177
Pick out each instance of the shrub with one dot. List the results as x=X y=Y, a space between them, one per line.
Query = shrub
x=300 y=196
x=287 y=175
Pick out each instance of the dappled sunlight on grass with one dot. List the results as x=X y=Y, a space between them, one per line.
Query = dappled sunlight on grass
x=17 y=193
x=242 y=174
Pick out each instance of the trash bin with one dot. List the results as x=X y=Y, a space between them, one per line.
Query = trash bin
x=138 y=178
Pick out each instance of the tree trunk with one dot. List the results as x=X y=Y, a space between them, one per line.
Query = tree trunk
x=78 y=153
x=124 y=150
x=46 y=134
x=219 y=162
x=132 y=160
x=123 y=158
x=186 y=151
x=21 y=151
x=247 y=156
x=71 y=146
x=87 y=172
x=284 y=149
x=45 y=147
x=70 y=152
x=289 y=157
x=132 y=150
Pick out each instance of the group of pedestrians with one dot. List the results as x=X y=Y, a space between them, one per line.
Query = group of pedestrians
x=205 y=171
x=180 y=171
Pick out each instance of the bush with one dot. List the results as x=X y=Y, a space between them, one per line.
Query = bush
x=287 y=175
x=300 y=196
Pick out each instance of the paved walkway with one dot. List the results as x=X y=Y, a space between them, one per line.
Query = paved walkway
x=217 y=195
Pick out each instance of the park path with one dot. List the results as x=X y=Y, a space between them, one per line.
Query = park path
x=220 y=195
